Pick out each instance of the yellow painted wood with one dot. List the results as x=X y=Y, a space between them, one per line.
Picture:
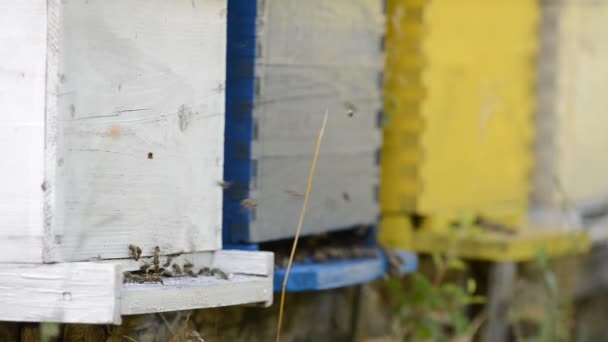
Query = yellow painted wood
x=479 y=243
x=573 y=162
x=459 y=84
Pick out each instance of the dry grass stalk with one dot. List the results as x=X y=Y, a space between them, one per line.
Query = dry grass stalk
x=300 y=221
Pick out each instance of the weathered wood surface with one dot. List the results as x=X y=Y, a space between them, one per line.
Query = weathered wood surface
x=571 y=170
x=22 y=101
x=140 y=112
x=111 y=128
x=306 y=58
x=68 y=293
x=186 y=293
x=250 y=277
x=93 y=292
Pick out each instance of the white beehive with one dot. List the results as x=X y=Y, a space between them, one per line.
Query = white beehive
x=571 y=139
x=111 y=134
x=112 y=118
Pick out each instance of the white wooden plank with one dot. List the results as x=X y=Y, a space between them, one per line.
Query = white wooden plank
x=245 y=262
x=229 y=261
x=140 y=127
x=195 y=293
x=22 y=101
x=198 y=259
x=68 y=293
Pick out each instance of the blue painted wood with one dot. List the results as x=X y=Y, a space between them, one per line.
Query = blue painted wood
x=335 y=274
x=240 y=90
x=242 y=247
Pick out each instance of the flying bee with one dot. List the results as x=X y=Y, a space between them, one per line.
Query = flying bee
x=249 y=203
x=135 y=252
x=156 y=259
x=224 y=184
x=168 y=262
x=177 y=269
x=350 y=108
x=294 y=193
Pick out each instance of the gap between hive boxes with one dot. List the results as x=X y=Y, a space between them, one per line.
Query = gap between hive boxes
x=93 y=292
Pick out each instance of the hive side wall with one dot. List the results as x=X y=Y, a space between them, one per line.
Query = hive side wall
x=23 y=30
x=581 y=103
x=313 y=57
x=140 y=124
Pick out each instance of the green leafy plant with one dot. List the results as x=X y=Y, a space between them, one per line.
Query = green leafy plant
x=433 y=308
x=552 y=315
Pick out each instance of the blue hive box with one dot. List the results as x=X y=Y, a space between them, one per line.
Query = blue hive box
x=289 y=62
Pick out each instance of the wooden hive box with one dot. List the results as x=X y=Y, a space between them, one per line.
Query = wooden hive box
x=459 y=102
x=570 y=177
x=112 y=126
x=458 y=137
x=288 y=63
x=111 y=132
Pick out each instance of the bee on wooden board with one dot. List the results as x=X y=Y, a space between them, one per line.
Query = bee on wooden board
x=177 y=269
x=205 y=271
x=135 y=252
x=220 y=274
x=156 y=259
x=168 y=262
x=145 y=266
x=188 y=269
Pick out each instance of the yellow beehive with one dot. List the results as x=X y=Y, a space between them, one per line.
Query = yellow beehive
x=459 y=99
x=458 y=132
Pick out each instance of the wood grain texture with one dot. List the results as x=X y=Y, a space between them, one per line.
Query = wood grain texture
x=22 y=103
x=233 y=261
x=140 y=115
x=195 y=293
x=310 y=57
x=67 y=293
x=245 y=262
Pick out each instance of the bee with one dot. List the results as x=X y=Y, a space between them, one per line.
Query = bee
x=188 y=269
x=135 y=252
x=294 y=193
x=177 y=269
x=249 y=203
x=205 y=271
x=156 y=259
x=334 y=253
x=224 y=184
x=319 y=256
x=145 y=266
x=153 y=278
x=350 y=108
x=168 y=262
x=130 y=278
x=219 y=273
